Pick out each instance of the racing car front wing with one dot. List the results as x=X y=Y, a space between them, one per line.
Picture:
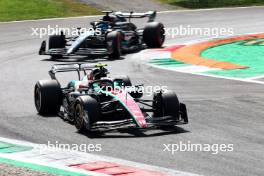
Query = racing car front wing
x=152 y=123
x=79 y=52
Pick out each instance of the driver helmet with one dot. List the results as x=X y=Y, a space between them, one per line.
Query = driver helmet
x=103 y=26
x=110 y=18
x=97 y=74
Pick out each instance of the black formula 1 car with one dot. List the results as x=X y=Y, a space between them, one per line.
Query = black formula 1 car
x=97 y=102
x=116 y=34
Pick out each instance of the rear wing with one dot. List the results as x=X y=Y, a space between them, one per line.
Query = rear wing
x=78 y=67
x=150 y=14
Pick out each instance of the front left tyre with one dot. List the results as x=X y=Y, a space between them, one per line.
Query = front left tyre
x=48 y=97
x=86 y=112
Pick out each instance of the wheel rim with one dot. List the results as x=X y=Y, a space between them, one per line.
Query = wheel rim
x=37 y=98
x=162 y=36
x=79 y=117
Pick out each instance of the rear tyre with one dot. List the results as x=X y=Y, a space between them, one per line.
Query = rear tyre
x=48 y=97
x=154 y=34
x=166 y=104
x=87 y=112
x=57 y=42
x=113 y=40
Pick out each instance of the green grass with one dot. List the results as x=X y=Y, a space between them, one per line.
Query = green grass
x=194 y=4
x=11 y=10
x=250 y=55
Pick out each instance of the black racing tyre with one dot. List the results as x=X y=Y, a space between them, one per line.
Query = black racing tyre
x=87 y=112
x=57 y=41
x=113 y=40
x=154 y=34
x=48 y=97
x=184 y=113
x=126 y=80
x=166 y=104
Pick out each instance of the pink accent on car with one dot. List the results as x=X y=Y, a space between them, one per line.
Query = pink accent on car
x=132 y=107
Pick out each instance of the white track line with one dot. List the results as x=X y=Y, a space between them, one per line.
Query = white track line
x=208 y=75
x=51 y=19
x=60 y=159
x=143 y=54
x=256 y=77
x=208 y=9
x=161 y=12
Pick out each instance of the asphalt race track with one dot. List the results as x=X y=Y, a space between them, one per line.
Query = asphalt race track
x=220 y=110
